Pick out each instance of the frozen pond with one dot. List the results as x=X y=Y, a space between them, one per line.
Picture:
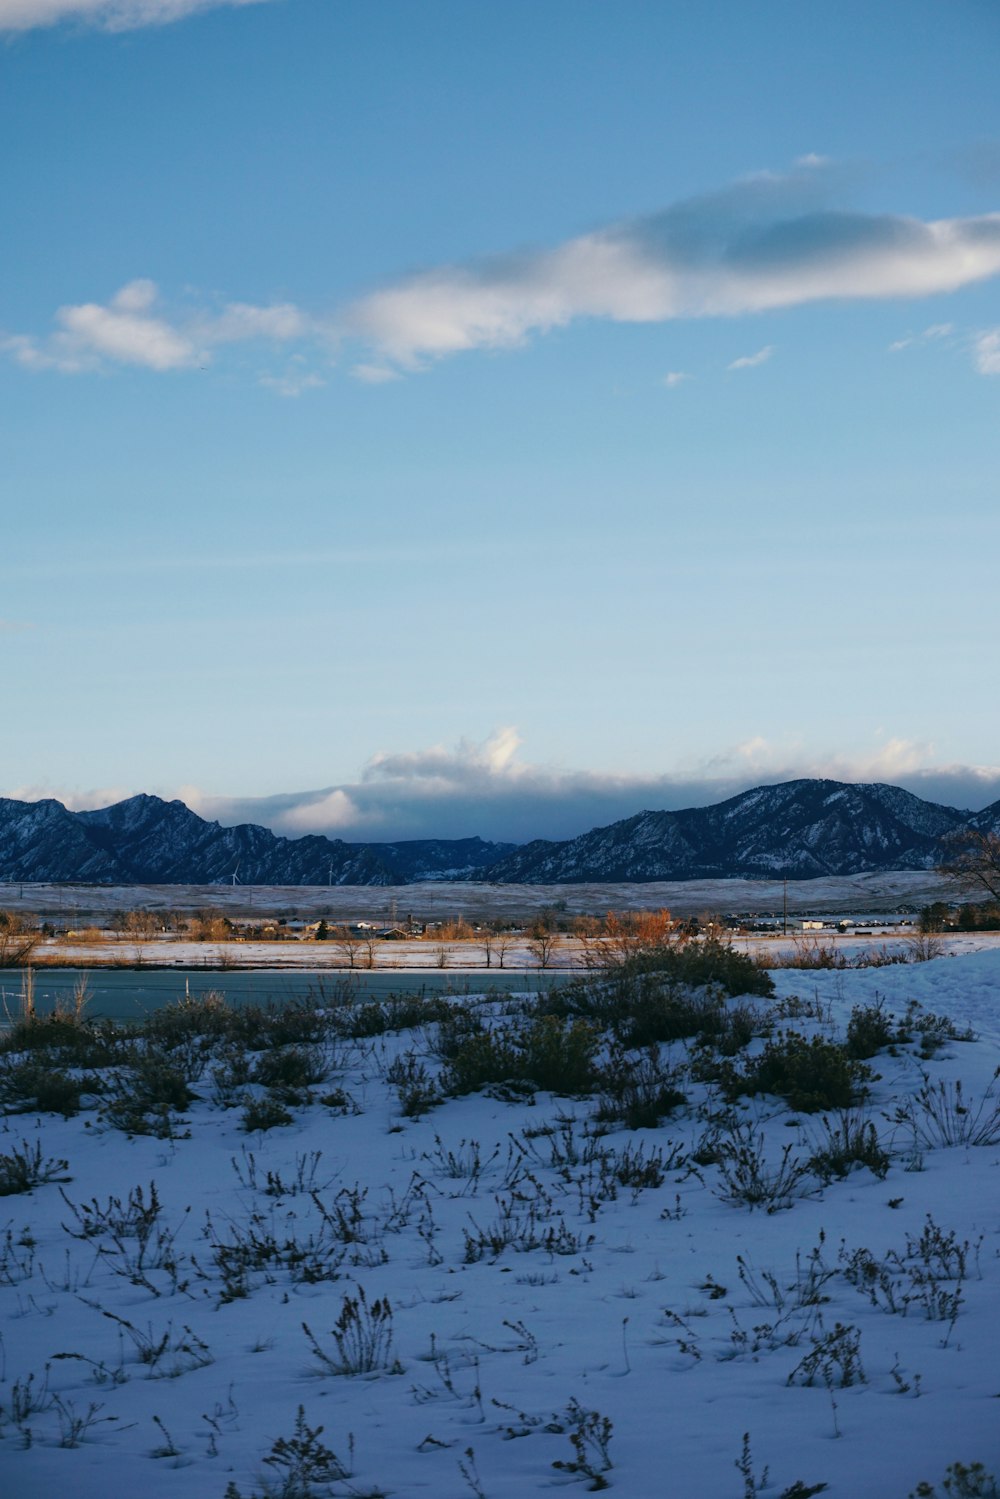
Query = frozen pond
x=129 y=995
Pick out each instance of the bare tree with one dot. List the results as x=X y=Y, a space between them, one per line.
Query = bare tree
x=207 y=926
x=140 y=925
x=369 y=947
x=630 y=935
x=503 y=941
x=973 y=859
x=542 y=945
x=347 y=942
x=17 y=940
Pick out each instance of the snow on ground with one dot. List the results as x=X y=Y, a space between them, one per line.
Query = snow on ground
x=425 y=955
x=427 y=900
x=636 y=1312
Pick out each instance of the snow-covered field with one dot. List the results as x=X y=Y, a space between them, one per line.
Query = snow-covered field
x=637 y=1322
x=429 y=900
x=425 y=955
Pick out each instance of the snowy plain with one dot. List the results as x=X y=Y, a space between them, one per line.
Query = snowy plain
x=429 y=900
x=683 y=1319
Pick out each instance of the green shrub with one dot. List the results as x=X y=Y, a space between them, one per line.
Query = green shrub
x=929 y=1031
x=962 y=1482
x=644 y=1008
x=637 y=1090
x=869 y=1029
x=850 y=1141
x=417 y=1090
x=300 y=1023
x=811 y=1075
x=33 y=1085
x=698 y=964
x=482 y=1058
x=291 y=1067
x=145 y=1096
x=398 y=1013
x=558 y=1056
x=23 y=1168
x=265 y=1113
x=207 y=1016
x=549 y=1053
x=67 y=1038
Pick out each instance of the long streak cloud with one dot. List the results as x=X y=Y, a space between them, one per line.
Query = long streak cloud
x=110 y=15
x=766 y=243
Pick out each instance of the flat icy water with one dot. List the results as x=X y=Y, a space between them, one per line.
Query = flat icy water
x=122 y=994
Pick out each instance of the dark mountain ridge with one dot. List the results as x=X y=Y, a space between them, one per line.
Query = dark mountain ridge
x=146 y=840
x=795 y=830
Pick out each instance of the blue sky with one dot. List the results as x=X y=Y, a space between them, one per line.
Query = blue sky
x=448 y=418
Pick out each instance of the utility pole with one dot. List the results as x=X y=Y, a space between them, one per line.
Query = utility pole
x=784 y=908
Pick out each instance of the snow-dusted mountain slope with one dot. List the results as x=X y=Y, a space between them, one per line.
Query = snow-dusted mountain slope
x=146 y=839
x=804 y=829
x=798 y=829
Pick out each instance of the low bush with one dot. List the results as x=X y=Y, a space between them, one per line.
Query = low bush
x=416 y=1088
x=290 y=1067
x=637 y=1090
x=362 y=1338
x=66 y=1039
x=941 y=1114
x=24 y=1168
x=749 y=1179
x=302 y=1465
x=929 y=1031
x=811 y=1075
x=145 y=1097
x=394 y=1014
x=850 y=1141
x=962 y=1481
x=549 y=1053
x=269 y=1112
x=32 y=1085
x=869 y=1029
x=559 y=1056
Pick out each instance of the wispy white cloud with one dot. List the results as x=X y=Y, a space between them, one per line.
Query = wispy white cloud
x=771 y=241
x=109 y=15
x=987 y=352
x=768 y=242
x=294 y=381
x=76 y=800
x=673 y=378
x=132 y=329
x=750 y=361
x=278 y=322
x=374 y=374
x=932 y=334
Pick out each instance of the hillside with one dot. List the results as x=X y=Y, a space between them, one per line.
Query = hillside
x=798 y=830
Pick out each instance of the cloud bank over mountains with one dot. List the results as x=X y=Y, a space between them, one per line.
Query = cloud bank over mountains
x=770 y=241
x=486 y=789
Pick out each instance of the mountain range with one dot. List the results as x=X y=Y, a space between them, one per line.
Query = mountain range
x=800 y=829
